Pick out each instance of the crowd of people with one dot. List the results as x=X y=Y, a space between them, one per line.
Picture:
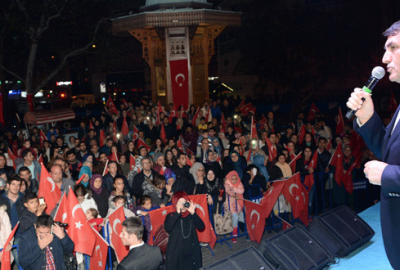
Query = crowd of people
x=147 y=156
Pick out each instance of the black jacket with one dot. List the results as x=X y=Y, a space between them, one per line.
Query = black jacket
x=142 y=258
x=184 y=180
x=137 y=183
x=101 y=201
x=183 y=249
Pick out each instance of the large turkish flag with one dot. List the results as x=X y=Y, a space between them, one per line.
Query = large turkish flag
x=48 y=190
x=115 y=220
x=157 y=218
x=255 y=225
x=180 y=82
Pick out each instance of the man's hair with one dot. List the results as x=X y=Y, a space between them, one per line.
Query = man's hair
x=145 y=158
x=25 y=152
x=144 y=199
x=2 y=155
x=72 y=151
x=180 y=154
x=112 y=162
x=393 y=30
x=118 y=197
x=102 y=153
x=109 y=139
x=59 y=158
x=56 y=165
x=271 y=133
x=23 y=169
x=322 y=139
x=44 y=221
x=30 y=196
x=134 y=225
x=14 y=177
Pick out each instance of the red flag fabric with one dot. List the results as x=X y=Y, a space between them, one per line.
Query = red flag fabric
x=105 y=169
x=123 y=101
x=111 y=106
x=263 y=121
x=293 y=162
x=285 y=225
x=223 y=122
x=255 y=220
x=180 y=82
x=339 y=123
x=337 y=161
x=188 y=162
x=132 y=162
x=248 y=155
x=80 y=179
x=6 y=259
x=124 y=128
x=12 y=157
x=301 y=134
x=270 y=196
x=48 y=190
x=208 y=234
x=135 y=133
x=115 y=220
x=90 y=125
x=42 y=137
x=15 y=148
x=309 y=179
x=113 y=157
x=195 y=117
x=115 y=132
x=297 y=196
x=183 y=114
x=311 y=114
x=163 y=135
x=140 y=142
x=62 y=210
x=393 y=104
x=246 y=109
x=102 y=137
x=253 y=129
x=172 y=114
x=79 y=230
x=347 y=178
x=99 y=257
x=157 y=218
x=241 y=104
x=271 y=149
x=40 y=159
x=253 y=110
x=179 y=144
x=329 y=145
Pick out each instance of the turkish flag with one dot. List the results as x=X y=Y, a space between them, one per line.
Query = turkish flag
x=111 y=106
x=98 y=260
x=246 y=109
x=223 y=122
x=271 y=149
x=347 y=178
x=48 y=190
x=15 y=148
x=6 y=259
x=157 y=218
x=159 y=110
x=195 y=117
x=339 y=123
x=132 y=162
x=271 y=196
x=62 y=210
x=293 y=162
x=140 y=142
x=292 y=154
x=188 y=162
x=311 y=114
x=179 y=144
x=115 y=132
x=102 y=137
x=79 y=230
x=241 y=104
x=12 y=157
x=42 y=137
x=105 y=169
x=208 y=234
x=285 y=225
x=183 y=114
x=124 y=128
x=309 y=179
x=297 y=195
x=80 y=179
x=337 y=161
x=115 y=220
x=180 y=82
x=253 y=129
x=393 y=104
x=90 y=125
x=172 y=115
x=123 y=101
x=301 y=134
x=263 y=120
x=135 y=133
x=255 y=220
x=40 y=159
x=113 y=156
x=163 y=135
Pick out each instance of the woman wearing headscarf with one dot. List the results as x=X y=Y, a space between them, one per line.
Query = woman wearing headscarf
x=212 y=163
x=197 y=170
x=234 y=200
x=183 y=250
x=85 y=170
x=99 y=194
x=254 y=182
x=235 y=163
x=215 y=189
x=216 y=146
x=280 y=171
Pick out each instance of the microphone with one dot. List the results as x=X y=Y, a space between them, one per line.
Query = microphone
x=377 y=74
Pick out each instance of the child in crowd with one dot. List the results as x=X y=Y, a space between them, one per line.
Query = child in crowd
x=143 y=210
x=93 y=219
x=117 y=201
x=156 y=190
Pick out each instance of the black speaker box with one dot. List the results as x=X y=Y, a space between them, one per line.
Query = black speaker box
x=340 y=231
x=295 y=249
x=249 y=259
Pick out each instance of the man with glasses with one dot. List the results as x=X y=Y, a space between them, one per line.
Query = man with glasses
x=147 y=173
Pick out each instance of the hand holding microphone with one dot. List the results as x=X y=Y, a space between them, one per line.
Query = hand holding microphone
x=360 y=101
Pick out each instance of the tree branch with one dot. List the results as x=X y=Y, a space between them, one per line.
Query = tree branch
x=58 y=14
x=13 y=74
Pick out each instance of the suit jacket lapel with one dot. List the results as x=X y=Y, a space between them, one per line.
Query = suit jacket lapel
x=391 y=136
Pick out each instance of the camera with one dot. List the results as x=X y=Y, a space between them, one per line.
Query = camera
x=63 y=225
x=186 y=204
x=60 y=151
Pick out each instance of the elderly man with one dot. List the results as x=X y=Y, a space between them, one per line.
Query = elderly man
x=384 y=142
x=56 y=173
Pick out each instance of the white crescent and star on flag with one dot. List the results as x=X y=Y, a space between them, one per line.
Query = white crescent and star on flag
x=177 y=77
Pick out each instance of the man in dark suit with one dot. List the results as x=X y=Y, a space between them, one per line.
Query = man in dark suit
x=385 y=144
x=140 y=256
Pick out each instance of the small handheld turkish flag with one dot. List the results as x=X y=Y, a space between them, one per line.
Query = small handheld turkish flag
x=99 y=257
x=115 y=220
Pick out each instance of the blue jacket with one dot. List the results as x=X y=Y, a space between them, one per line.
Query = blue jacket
x=17 y=208
x=32 y=257
x=216 y=112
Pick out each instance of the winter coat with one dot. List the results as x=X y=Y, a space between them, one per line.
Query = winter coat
x=183 y=249
x=15 y=211
x=101 y=201
x=5 y=226
x=231 y=204
x=88 y=202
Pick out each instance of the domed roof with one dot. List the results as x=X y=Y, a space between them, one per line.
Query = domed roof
x=158 y=2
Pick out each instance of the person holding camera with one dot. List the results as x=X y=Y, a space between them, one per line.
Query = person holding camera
x=43 y=245
x=183 y=249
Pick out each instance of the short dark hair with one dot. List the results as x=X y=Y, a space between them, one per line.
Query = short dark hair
x=44 y=221
x=25 y=152
x=112 y=162
x=118 y=197
x=322 y=139
x=158 y=179
x=23 y=169
x=71 y=151
x=14 y=177
x=393 y=30
x=144 y=198
x=180 y=154
x=134 y=225
x=30 y=196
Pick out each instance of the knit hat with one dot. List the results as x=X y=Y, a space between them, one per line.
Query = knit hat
x=157 y=156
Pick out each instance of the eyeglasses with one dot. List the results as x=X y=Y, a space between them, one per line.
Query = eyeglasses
x=201 y=170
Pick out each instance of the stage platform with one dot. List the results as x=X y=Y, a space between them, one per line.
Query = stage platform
x=372 y=255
